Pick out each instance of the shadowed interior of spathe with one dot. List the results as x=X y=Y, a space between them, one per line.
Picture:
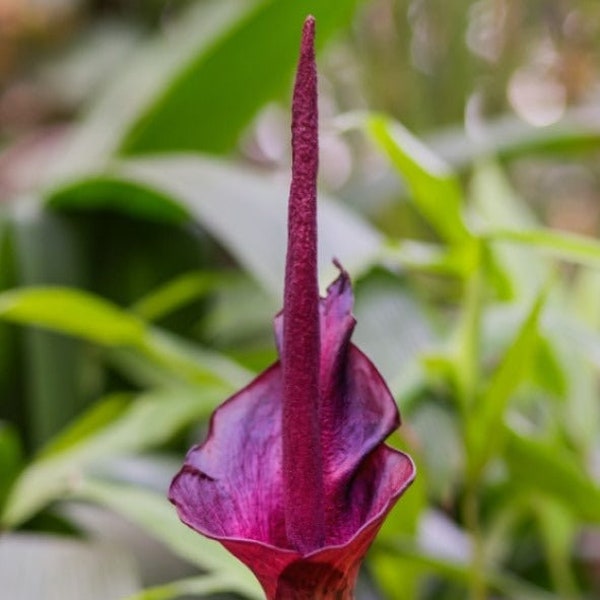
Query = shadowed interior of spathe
x=232 y=484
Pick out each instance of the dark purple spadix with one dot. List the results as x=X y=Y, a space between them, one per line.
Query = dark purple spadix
x=294 y=478
x=302 y=459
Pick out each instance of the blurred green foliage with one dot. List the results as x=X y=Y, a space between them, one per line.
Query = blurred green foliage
x=142 y=239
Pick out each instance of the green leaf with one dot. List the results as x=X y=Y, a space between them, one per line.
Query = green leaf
x=238 y=330
x=137 y=86
x=74 y=312
x=584 y=301
x=443 y=459
x=250 y=215
x=158 y=518
x=565 y=246
x=550 y=370
x=467 y=346
x=496 y=205
x=559 y=531
x=56 y=568
x=97 y=417
x=504 y=137
x=507 y=584
x=485 y=423
x=48 y=251
x=11 y=458
x=398 y=579
x=192 y=363
x=555 y=471
x=127 y=197
x=177 y=293
x=392 y=328
x=113 y=427
x=578 y=358
x=78 y=313
x=435 y=188
x=417 y=256
x=508 y=136
x=246 y=213
x=215 y=95
x=574 y=347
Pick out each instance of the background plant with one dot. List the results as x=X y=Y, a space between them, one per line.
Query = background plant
x=145 y=175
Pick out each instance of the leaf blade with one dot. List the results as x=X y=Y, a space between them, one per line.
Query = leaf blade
x=435 y=188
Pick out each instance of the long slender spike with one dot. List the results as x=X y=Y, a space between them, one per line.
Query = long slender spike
x=302 y=456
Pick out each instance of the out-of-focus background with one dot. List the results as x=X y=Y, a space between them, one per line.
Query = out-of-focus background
x=144 y=165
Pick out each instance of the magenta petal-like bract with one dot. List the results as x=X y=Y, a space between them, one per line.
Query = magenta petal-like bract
x=231 y=487
x=294 y=478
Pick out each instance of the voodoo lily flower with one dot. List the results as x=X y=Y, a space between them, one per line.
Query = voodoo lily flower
x=294 y=478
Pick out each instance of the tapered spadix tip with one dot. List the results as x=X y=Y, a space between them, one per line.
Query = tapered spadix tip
x=308 y=33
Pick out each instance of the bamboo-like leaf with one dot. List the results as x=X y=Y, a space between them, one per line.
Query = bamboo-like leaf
x=497 y=206
x=485 y=421
x=158 y=518
x=565 y=246
x=114 y=426
x=141 y=82
x=79 y=313
x=392 y=328
x=47 y=251
x=466 y=371
x=130 y=198
x=507 y=584
x=176 y=293
x=214 y=96
x=508 y=136
x=558 y=529
x=74 y=312
x=434 y=188
x=11 y=458
x=246 y=212
x=557 y=472
x=56 y=568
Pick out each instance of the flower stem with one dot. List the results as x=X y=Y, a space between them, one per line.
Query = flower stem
x=302 y=460
x=477 y=582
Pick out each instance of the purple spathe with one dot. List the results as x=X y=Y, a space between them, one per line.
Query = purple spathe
x=294 y=478
x=231 y=487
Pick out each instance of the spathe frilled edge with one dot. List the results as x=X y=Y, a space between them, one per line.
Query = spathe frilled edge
x=284 y=573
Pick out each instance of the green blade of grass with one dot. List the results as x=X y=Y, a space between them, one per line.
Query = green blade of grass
x=435 y=189
x=74 y=312
x=485 y=424
x=176 y=293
